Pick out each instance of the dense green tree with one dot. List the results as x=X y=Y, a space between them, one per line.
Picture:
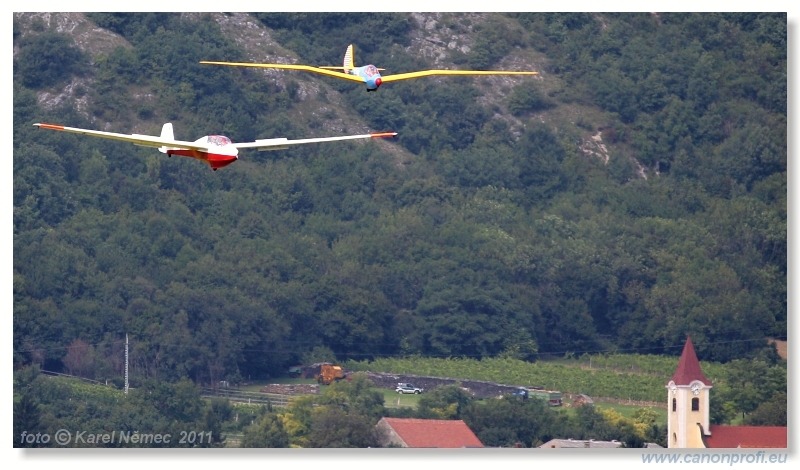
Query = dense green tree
x=772 y=412
x=540 y=155
x=511 y=422
x=268 y=432
x=357 y=394
x=80 y=359
x=48 y=59
x=334 y=427
x=591 y=424
x=27 y=410
x=216 y=414
x=751 y=383
x=493 y=39
x=26 y=420
x=527 y=98
x=446 y=402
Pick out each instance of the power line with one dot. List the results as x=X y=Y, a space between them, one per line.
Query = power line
x=640 y=350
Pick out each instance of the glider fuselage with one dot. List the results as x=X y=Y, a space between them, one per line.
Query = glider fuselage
x=220 y=153
x=370 y=74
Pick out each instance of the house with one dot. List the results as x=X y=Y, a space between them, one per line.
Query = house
x=588 y=444
x=688 y=414
x=579 y=444
x=430 y=433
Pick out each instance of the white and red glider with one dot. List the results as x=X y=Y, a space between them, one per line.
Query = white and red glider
x=217 y=150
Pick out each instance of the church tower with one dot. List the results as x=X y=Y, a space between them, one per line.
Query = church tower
x=687 y=407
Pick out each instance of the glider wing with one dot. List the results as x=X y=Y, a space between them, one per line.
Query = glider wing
x=425 y=73
x=282 y=143
x=307 y=68
x=137 y=139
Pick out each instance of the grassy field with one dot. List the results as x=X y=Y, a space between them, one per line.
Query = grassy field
x=629 y=410
x=392 y=399
x=396 y=400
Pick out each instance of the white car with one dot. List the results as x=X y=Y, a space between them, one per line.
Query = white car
x=407 y=388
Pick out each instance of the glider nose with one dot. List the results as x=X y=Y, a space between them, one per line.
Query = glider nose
x=374 y=83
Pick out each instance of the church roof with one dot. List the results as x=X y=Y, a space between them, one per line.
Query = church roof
x=689 y=367
x=753 y=437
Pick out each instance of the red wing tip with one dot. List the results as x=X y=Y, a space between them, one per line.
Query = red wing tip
x=383 y=134
x=55 y=127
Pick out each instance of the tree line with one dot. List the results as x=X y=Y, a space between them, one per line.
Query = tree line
x=342 y=415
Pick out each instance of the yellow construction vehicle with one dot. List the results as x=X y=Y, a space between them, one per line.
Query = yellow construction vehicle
x=329 y=373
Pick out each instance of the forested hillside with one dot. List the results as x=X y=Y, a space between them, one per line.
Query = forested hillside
x=632 y=193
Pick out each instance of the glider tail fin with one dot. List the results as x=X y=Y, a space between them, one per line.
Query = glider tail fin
x=166 y=133
x=348 y=63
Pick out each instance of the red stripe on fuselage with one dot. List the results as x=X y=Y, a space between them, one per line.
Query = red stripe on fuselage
x=215 y=160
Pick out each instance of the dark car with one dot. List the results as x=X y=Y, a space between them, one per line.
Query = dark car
x=521 y=393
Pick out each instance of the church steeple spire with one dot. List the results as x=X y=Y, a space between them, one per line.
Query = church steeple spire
x=689 y=367
x=688 y=395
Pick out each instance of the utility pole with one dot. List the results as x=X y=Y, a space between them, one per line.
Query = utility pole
x=126 y=363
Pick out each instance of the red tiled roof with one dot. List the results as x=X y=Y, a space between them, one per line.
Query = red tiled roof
x=731 y=437
x=439 y=433
x=689 y=367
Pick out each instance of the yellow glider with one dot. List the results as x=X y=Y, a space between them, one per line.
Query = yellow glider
x=368 y=74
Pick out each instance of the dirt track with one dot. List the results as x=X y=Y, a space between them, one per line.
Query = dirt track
x=476 y=388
